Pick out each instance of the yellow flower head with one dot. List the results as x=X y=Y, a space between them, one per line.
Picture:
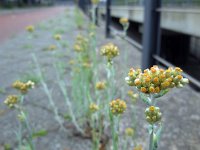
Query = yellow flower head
x=139 y=147
x=130 y=93
x=155 y=80
x=57 y=37
x=123 y=21
x=152 y=108
x=117 y=106
x=153 y=114
x=23 y=87
x=81 y=44
x=93 y=107
x=129 y=132
x=110 y=51
x=95 y=2
x=11 y=101
x=86 y=65
x=30 y=28
x=101 y=85
x=78 y=48
x=51 y=47
x=72 y=62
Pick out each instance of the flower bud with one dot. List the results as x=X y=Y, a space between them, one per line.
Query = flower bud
x=153 y=114
x=117 y=106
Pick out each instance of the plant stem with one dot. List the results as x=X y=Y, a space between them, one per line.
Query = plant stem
x=48 y=93
x=114 y=130
x=68 y=103
x=151 y=143
x=95 y=136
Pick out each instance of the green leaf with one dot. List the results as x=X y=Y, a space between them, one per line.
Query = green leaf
x=158 y=133
x=155 y=142
x=162 y=93
x=145 y=99
x=40 y=133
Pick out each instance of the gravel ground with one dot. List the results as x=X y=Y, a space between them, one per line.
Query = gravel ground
x=180 y=107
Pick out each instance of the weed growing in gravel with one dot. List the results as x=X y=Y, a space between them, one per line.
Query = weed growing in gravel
x=152 y=84
x=17 y=102
x=117 y=107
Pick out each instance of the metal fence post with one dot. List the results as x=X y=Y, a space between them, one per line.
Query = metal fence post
x=151 y=32
x=108 y=18
x=96 y=15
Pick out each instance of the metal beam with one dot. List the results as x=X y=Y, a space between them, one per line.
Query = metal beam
x=108 y=18
x=151 y=33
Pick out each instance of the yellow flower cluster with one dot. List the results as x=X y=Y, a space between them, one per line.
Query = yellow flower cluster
x=78 y=48
x=129 y=132
x=87 y=65
x=139 y=147
x=95 y=2
x=110 y=51
x=93 y=107
x=30 y=28
x=153 y=114
x=81 y=44
x=11 y=100
x=123 y=21
x=154 y=80
x=72 y=62
x=117 y=106
x=101 y=85
x=57 y=37
x=51 y=47
x=23 y=87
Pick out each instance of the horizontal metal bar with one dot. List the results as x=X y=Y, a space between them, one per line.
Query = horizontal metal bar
x=179 y=10
x=138 y=8
x=168 y=64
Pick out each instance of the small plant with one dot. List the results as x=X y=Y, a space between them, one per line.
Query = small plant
x=152 y=84
x=117 y=108
x=109 y=51
x=125 y=24
x=16 y=102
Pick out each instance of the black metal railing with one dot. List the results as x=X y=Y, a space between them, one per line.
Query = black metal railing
x=181 y=3
x=128 y=2
x=165 y=3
